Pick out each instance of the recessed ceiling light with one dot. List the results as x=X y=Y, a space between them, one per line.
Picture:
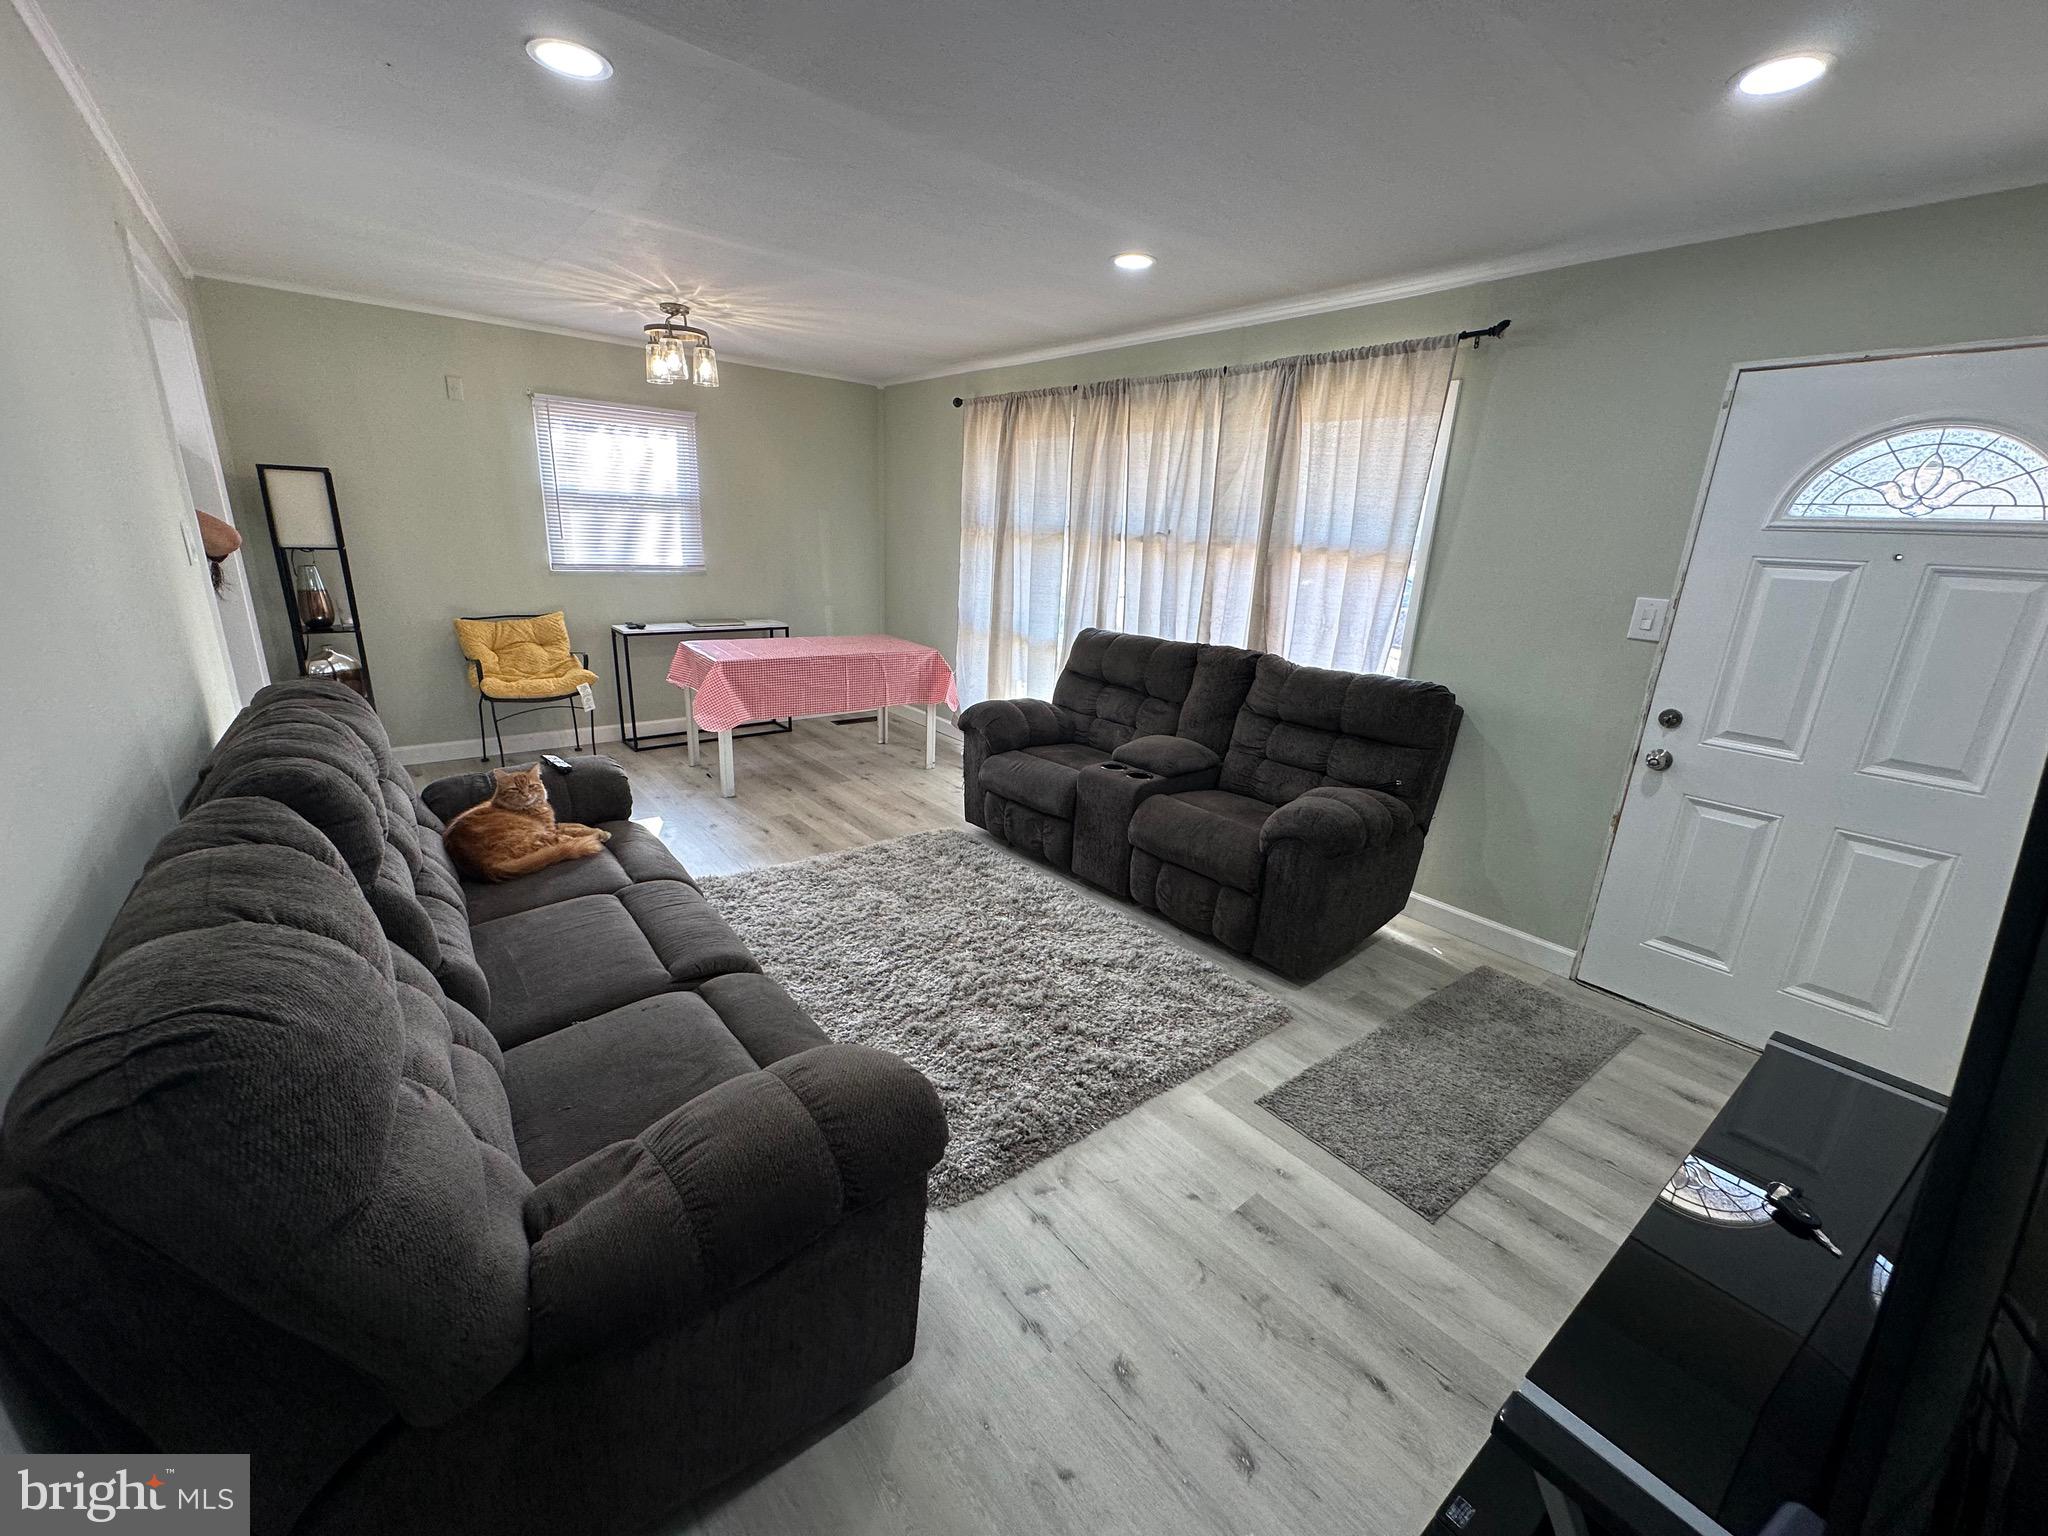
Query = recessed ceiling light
x=1133 y=261
x=1774 y=77
x=572 y=60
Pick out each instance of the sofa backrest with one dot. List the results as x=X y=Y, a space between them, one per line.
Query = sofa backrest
x=320 y=750
x=1116 y=687
x=1303 y=727
x=246 y=1088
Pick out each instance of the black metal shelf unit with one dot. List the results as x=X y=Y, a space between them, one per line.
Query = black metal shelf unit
x=292 y=518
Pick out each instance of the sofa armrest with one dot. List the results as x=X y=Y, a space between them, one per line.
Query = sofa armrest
x=646 y=1234
x=1336 y=820
x=1010 y=725
x=595 y=789
x=1167 y=756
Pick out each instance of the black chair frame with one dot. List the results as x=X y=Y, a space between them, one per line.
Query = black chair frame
x=568 y=701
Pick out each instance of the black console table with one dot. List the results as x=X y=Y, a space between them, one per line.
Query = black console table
x=679 y=630
x=1699 y=1388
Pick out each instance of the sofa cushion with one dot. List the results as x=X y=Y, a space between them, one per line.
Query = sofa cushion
x=762 y=1017
x=1043 y=778
x=1303 y=727
x=481 y=1097
x=1050 y=838
x=557 y=964
x=1195 y=902
x=457 y=970
x=608 y=1078
x=597 y=875
x=1116 y=686
x=327 y=782
x=688 y=936
x=642 y=854
x=1210 y=831
x=633 y=854
x=232 y=1096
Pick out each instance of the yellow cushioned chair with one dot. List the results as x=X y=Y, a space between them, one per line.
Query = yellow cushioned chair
x=523 y=658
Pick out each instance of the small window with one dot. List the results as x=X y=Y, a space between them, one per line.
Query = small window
x=618 y=486
x=1934 y=474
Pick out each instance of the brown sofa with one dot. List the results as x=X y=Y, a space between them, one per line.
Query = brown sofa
x=526 y=1208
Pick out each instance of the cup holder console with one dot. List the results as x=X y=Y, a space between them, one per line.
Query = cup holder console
x=1126 y=768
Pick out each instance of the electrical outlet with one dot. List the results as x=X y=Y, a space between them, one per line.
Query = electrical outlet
x=1646 y=621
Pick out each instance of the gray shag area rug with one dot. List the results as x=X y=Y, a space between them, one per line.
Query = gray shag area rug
x=1426 y=1105
x=1038 y=1012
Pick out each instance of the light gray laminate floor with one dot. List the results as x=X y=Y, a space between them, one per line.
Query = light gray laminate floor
x=1195 y=1320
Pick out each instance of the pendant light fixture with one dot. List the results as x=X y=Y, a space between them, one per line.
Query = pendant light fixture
x=679 y=352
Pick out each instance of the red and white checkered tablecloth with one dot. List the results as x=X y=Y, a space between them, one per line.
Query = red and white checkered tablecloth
x=742 y=680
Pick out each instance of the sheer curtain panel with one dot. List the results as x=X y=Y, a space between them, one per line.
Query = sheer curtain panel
x=1275 y=506
x=1014 y=491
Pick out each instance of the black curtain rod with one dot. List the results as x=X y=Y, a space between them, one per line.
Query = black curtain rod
x=1491 y=333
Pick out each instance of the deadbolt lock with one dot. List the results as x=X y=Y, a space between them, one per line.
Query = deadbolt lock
x=1670 y=718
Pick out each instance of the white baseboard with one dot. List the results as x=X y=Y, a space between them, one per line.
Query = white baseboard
x=1513 y=942
x=563 y=740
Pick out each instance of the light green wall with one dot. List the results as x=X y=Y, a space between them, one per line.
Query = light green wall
x=440 y=498
x=116 y=680
x=1577 y=458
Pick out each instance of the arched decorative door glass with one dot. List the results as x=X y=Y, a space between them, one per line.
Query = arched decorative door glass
x=1944 y=472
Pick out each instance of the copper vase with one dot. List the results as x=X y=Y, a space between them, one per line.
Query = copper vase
x=316 y=604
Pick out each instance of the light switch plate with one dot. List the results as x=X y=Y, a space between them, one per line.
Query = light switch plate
x=1646 y=621
x=454 y=383
x=192 y=547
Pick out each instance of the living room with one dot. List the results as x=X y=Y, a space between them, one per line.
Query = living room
x=1070 y=769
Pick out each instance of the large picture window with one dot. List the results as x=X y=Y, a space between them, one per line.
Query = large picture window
x=618 y=486
x=1281 y=506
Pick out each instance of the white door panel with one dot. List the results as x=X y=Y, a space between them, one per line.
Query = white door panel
x=1786 y=634
x=1864 y=713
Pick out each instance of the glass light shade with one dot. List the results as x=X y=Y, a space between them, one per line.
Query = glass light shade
x=704 y=367
x=667 y=360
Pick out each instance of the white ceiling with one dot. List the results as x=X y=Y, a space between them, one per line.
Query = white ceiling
x=879 y=190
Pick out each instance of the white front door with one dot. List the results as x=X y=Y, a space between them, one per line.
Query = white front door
x=1859 y=713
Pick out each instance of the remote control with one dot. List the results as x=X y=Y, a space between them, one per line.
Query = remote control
x=631 y=625
x=559 y=764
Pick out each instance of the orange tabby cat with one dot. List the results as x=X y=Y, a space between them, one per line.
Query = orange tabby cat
x=515 y=832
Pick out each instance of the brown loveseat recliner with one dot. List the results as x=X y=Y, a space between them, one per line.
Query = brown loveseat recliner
x=1277 y=809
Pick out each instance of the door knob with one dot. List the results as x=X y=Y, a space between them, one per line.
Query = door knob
x=1656 y=759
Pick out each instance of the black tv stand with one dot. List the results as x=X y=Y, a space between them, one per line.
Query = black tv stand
x=1701 y=1386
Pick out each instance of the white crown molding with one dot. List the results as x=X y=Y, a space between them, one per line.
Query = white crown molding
x=1419 y=285
x=66 y=69
x=407 y=306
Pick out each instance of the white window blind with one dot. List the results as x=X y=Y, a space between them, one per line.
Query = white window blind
x=618 y=486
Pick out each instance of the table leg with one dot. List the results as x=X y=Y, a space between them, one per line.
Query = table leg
x=882 y=725
x=725 y=787
x=931 y=735
x=618 y=698
x=690 y=715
